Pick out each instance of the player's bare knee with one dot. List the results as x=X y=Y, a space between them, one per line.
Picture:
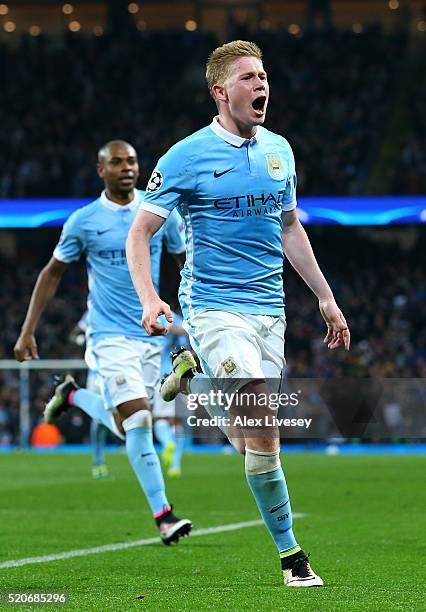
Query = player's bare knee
x=239 y=444
x=128 y=408
x=263 y=444
x=119 y=422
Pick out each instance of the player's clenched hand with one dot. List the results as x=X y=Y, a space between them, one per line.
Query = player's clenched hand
x=25 y=347
x=337 y=329
x=151 y=311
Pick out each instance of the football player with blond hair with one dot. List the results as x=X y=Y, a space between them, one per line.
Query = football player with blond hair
x=234 y=183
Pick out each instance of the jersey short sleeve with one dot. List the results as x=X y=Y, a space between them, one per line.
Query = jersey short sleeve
x=171 y=182
x=174 y=233
x=289 y=198
x=72 y=241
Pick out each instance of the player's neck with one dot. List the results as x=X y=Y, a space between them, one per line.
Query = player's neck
x=120 y=198
x=229 y=124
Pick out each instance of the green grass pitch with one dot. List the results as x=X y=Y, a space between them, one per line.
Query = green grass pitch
x=365 y=527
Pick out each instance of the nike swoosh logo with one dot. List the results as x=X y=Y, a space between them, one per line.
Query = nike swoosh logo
x=146 y=454
x=275 y=508
x=217 y=174
x=99 y=232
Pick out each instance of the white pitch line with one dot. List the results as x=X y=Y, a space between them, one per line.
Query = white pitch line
x=123 y=545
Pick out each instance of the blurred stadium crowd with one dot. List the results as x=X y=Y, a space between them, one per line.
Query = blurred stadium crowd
x=377 y=275
x=351 y=106
x=408 y=175
x=332 y=95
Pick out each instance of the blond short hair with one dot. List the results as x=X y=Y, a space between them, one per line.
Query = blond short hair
x=219 y=62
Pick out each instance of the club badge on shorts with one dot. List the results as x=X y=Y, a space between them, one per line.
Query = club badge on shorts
x=230 y=367
x=275 y=166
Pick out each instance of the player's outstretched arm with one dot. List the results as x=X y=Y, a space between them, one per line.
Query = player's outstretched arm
x=298 y=251
x=44 y=290
x=139 y=260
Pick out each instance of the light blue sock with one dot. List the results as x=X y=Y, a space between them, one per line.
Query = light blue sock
x=144 y=460
x=201 y=383
x=180 y=445
x=163 y=432
x=98 y=435
x=93 y=405
x=267 y=483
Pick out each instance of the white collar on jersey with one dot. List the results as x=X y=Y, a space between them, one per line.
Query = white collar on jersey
x=114 y=206
x=229 y=137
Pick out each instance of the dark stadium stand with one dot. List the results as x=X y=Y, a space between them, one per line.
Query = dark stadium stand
x=332 y=93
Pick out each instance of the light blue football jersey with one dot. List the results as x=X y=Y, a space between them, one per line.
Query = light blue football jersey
x=99 y=232
x=231 y=193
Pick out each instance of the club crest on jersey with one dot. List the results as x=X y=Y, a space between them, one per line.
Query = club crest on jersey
x=155 y=181
x=275 y=166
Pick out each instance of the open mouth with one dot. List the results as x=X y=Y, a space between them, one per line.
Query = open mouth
x=259 y=104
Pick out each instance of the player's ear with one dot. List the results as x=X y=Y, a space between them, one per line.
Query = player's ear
x=100 y=169
x=219 y=93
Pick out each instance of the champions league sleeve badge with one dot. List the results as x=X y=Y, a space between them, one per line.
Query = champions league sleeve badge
x=155 y=181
